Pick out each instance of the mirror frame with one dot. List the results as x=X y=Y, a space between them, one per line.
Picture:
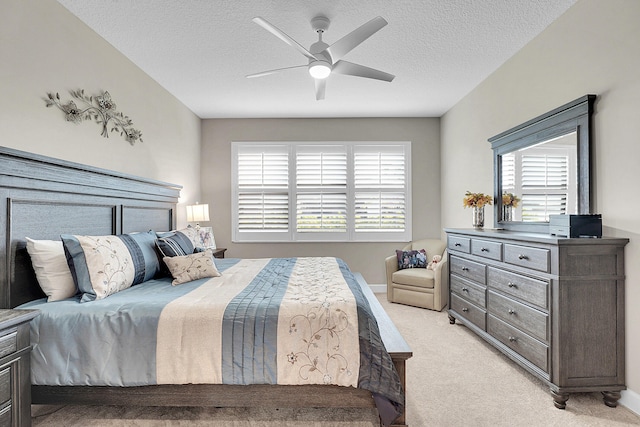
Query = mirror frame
x=575 y=116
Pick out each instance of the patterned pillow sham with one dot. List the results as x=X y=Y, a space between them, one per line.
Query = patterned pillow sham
x=192 y=234
x=52 y=271
x=411 y=259
x=103 y=265
x=191 y=267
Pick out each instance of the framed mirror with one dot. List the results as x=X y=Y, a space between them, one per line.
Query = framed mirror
x=543 y=167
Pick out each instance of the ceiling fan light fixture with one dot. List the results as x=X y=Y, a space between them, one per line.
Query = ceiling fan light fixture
x=319 y=69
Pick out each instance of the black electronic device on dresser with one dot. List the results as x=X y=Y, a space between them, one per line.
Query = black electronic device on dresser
x=15 y=367
x=553 y=305
x=576 y=225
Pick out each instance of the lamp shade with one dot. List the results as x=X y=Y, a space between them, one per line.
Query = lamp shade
x=197 y=213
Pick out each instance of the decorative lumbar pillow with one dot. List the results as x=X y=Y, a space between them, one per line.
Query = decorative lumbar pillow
x=191 y=267
x=52 y=271
x=411 y=259
x=175 y=244
x=103 y=265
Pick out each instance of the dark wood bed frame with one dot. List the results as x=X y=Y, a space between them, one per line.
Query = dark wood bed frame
x=42 y=197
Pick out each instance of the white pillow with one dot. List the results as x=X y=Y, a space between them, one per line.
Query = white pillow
x=52 y=271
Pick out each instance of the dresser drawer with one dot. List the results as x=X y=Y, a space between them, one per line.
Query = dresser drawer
x=487 y=249
x=5 y=385
x=461 y=244
x=6 y=415
x=519 y=315
x=525 y=288
x=473 y=313
x=525 y=345
x=469 y=291
x=526 y=256
x=8 y=343
x=468 y=269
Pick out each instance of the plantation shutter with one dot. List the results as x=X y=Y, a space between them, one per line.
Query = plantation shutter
x=380 y=188
x=538 y=207
x=545 y=181
x=508 y=172
x=544 y=171
x=321 y=189
x=263 y=188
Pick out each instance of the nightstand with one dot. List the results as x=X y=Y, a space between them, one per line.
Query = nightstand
x=219 y=252
x=15 y=367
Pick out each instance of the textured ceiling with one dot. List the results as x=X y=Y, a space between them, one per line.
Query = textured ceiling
x=200 y=51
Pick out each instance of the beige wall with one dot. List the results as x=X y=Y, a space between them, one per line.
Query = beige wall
x=44 y=48
x=593 y=48
x=367 y=258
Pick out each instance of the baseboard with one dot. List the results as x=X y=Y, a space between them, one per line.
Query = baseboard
x=630 y=400
x=378 y=289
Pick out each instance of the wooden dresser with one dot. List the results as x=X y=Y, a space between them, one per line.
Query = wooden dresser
x=553 y=305
x=15 y=371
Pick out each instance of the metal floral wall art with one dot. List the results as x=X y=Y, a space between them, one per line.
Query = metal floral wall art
x=100 y=108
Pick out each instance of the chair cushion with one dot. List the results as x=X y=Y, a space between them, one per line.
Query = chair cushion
x=419 y=277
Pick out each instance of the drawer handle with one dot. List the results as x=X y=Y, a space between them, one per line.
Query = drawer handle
x=522 y=256
x=457 y=244
x=465 y=309
x=465 y=268
x=465 y=289
x=513 y=339
x=484 y=250
x=512 y=285
x=511 y=311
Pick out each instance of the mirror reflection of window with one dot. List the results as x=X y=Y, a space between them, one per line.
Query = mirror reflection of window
x=544 y=177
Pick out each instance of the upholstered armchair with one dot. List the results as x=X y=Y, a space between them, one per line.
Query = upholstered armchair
x=420 y=287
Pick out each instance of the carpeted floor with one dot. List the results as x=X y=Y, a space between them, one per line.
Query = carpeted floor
x=453 y=379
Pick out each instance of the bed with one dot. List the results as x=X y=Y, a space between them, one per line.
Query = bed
x=43 y=198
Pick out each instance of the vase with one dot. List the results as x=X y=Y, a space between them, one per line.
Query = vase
x=478 y=216
x=507 y=213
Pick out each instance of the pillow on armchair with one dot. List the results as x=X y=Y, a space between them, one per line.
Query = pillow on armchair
x=411 y=259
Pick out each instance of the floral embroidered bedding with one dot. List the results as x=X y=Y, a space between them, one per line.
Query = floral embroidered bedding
x=287 y=321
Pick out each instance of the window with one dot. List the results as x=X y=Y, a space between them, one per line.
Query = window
x=290 y=192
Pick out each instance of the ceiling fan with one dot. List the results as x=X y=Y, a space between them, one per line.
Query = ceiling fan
x=324 y=59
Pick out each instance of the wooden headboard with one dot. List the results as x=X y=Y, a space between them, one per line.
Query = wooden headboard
x=43 y=197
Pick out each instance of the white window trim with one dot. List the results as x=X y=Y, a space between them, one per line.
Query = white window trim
x=290 y=235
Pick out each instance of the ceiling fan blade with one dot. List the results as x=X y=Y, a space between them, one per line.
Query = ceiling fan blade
x=277 y=70
x=321 y=85
x=282 y=36
x=354 y=38
x=351 y=69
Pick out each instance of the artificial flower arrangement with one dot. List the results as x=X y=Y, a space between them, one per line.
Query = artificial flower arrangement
x=510 y=199
x=476 y=200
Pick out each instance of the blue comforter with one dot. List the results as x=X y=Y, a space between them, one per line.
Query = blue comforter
x=141 y=336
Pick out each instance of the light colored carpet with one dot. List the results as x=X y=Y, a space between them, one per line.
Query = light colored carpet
x=453 y=379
